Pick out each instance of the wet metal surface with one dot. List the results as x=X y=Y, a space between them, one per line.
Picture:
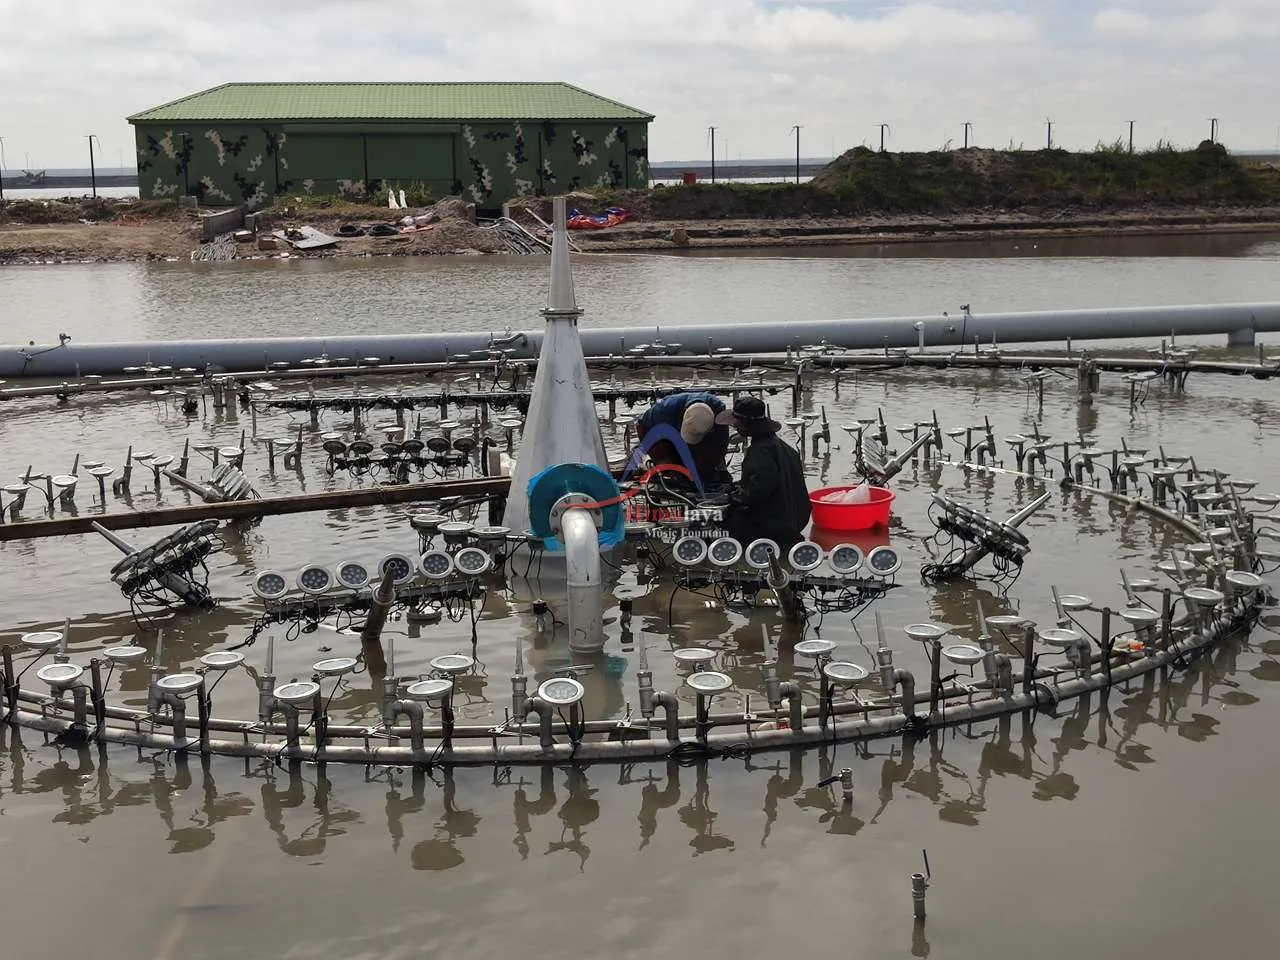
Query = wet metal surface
x=1130 y=825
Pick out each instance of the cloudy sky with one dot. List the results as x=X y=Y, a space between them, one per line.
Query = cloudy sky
x=752 y=68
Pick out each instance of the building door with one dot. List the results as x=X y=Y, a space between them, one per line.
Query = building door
x=402 y=160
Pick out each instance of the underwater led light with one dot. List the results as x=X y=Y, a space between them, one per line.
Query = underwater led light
x=457 y=529
x=352 y=574
x=924 y=631
x=708 y=682
x=1062 y=637
x=805 y=556
x=270 y=585
x=472 y=561
x=963 y=654
x=845 y=559
x=693 y=656
x=884 y=561
x=124 y=653
x=689 y=551
x=1203 y=597
x=42 y=639
x=561 y=691
x=297 y=692
x=314 y=579
x=221 y=660
x=452 y=663
x=492 y=533
x=843 y=671
x=814 y=648
x=180 y=683
x=1074 y=602
x=60 y=675
x=426 y=522
x=426 y=691
x=401 y=567
x=334 y=666
x=436 y=564
x=724 y=551
x=760 y=552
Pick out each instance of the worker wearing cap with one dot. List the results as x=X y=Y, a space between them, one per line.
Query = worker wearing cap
x=693 y=416
x=772 y=499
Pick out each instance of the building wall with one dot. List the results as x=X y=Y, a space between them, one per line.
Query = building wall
x=487 y=163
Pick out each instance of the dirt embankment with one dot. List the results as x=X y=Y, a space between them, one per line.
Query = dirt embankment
x=861 y=197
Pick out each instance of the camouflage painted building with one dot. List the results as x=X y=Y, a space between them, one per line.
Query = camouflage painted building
x=487 y=142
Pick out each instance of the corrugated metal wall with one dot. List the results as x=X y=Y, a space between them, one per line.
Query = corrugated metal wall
x=487 y=163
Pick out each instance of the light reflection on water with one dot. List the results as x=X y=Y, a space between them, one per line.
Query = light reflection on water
x=1085 y=831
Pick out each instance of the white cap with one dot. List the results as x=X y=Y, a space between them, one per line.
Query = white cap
x=699 y=420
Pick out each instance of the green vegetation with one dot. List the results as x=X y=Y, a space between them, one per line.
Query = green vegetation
x=101 y=210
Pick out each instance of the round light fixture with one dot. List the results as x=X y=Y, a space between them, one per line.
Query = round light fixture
x=60 y=675
x=222 y=660
x=352 y=574
x=42 y=639
x=1203 y=597
x=842 y=671
x=457 y=528
x=1060 y=636
x=708 y=682
x=124 y=653
x=724 y=552
x=1074 y=602
x=693 y=656
x=689 y=551
x=180 y=683
x=270 y=585
x=472 y=561
x=1134 y=616
x=436 y=564
x=805 y=556
x=924 y=631
x=845 y=559
x=491 y=534
x=814 y=648
x=426 y=522
x=401 y=567
x=452 y=663
x=561 y=691
x=334 y=666
x=297 y=692
x=760 y=552
x=884 y=561
x=963 y=654
x=428 y=690
x=314 y=579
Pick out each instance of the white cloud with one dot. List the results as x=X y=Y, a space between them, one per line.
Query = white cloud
x=752 y=68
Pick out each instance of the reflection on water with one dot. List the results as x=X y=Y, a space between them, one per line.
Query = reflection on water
x=438 y=814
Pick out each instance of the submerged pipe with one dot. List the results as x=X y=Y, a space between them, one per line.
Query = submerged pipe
x=252 y=354
x=384 y=595
x=413 y=710
x=545 y=714
x=582 y=576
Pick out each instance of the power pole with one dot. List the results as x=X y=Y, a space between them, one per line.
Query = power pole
x=1049 y=142
x=1 y=168
x=796 y=128
x=1131 y=136
x=93 y=172
x=883 y=127
x=968 y=128
x=1213 y=129
x=712 y=131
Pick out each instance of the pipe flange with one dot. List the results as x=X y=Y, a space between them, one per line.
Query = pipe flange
x=574 y=500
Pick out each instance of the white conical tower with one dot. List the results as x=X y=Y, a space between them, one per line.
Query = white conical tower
x=562 y=425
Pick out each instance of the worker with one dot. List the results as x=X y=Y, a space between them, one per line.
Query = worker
x=691 y=416
x=771 y=500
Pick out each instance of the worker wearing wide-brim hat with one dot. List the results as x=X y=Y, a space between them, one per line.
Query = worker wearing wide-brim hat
x=771 y=500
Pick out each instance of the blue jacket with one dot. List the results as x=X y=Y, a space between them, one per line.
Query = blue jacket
x=670 y=410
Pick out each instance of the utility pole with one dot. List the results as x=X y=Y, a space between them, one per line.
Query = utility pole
x=968 y=128
x=712 y=131
x=1131 y=136
x=1 y=169
x=883 y=128
x=93 y=171
x=1049 y=142
x=796 y=129
x=1213 y=129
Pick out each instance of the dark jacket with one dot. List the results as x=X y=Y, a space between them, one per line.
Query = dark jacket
x=772 y=500
x=709 y=455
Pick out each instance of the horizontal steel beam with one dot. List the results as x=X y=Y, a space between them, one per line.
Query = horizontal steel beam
x=960 y=329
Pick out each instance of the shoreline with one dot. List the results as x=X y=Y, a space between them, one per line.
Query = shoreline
x=175 y=239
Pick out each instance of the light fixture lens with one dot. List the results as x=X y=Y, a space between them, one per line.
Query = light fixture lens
x=270 y=585
x=725 y=551
x=709 y=682
x=437 y=564
x=561 y=691
x=845 y=559
x=805 y=556
x=689 y=551
x=426 y=690
x=314 y=579
x=353 y=575
x=760 y=552
x=401 y=567
x=472 y=561
x=884 y=561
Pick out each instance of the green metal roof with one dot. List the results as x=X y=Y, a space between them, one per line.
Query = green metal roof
x=391 y=101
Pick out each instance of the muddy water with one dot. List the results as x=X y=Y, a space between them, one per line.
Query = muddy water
x=1133 y=825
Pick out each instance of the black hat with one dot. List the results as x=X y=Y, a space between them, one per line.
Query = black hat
x=750 y=416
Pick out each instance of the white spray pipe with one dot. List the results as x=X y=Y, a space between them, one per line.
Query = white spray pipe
x=582 y=575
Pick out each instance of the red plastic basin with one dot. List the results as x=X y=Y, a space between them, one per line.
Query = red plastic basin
x=851 y=516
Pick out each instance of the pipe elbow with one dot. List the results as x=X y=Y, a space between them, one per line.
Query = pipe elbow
x=907 y=681
x=790 y=690
x=1004 y=674
x=670 y=713
x=545 y=712
x=413 y=710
